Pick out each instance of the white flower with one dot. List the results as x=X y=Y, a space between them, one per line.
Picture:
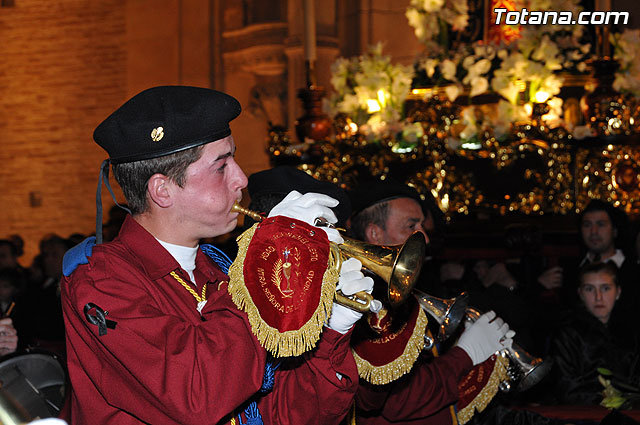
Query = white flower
x=468 y=61
x=460 y=22
x=429 y=66
x=452 y=91
x=479 y=85
x=426 y=16
x=480 y=68
x=511 y=92
x=448 y=69
x=432 y=5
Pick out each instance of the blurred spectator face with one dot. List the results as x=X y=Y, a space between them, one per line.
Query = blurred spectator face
x=7 y=291
x=599 y=292
x=405 y=218
x=52 y=255
x=598 y=232
x=7 y=259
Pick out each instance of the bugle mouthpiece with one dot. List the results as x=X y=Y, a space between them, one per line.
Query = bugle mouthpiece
x=245 y=211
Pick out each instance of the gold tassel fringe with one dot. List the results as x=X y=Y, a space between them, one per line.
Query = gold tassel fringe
x=484 y=397
x=288 y=343
x=381 y=375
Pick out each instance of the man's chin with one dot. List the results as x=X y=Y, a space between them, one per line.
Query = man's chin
x=233 y=223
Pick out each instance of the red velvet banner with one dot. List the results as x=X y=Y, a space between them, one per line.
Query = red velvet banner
x=283 y=271
x=284 y=278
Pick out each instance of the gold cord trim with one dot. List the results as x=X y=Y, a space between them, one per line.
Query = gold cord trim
x=189 y=288
x=381 y=375
x=484 y=397
x=288 y=343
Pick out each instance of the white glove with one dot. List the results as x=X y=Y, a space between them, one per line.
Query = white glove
x=351 y=281
x=48 y=421
x=485 y=336
x=308 y=208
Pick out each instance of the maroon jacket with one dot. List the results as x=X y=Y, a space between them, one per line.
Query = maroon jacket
x=420 y=397
x=164 y=363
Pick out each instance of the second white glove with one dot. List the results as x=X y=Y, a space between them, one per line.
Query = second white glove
x=351 y=281
x=485 y=336
x=308 y=208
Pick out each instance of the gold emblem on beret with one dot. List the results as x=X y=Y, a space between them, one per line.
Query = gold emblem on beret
x=157 y=134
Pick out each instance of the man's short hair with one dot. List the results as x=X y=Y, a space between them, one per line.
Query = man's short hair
x=12 y=248
x=598 y=205
x=619 y=221
x=134 y=176
x=607 y=267
x=376 y=214
x=53 y=239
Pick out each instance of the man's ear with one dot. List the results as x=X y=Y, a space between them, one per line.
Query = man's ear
x=373 y=233
x=158 y=190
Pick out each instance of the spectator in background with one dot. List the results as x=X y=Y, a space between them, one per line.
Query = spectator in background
x=8 y=254
x=111 y=228
x=39 y=316
x=587 y=340
x=18 y=242
x=604 y=229
x=10 y=283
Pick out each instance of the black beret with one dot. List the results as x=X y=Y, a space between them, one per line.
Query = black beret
x=283 y=179
x=163 y=120
x=373 y=192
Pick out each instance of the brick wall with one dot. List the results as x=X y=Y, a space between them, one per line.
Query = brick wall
x=62 y=70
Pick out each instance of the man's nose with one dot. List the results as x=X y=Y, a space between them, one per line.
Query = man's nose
x=426 y=237
x=240 y=178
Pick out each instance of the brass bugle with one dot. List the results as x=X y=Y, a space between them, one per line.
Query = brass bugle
x=398 y=265
x=447 y=312
x=237 y=208
x=525 y=369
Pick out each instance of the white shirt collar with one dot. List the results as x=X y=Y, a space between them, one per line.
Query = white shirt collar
x=617 y=258
x=184 y=255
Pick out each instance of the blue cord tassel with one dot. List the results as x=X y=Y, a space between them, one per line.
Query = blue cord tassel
x=216 y=254
x=252 y=414
x=269 y=377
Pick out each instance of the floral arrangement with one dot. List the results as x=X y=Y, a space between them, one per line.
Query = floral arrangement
x=431 y=20
x=370 y=90
x=627 y=53
x=517 y=74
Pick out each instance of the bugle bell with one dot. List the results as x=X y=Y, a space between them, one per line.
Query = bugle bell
x=525 y=370
x=398 y=265
x=447 y=312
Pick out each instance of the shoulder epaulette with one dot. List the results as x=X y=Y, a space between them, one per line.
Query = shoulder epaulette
x=77 y=255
